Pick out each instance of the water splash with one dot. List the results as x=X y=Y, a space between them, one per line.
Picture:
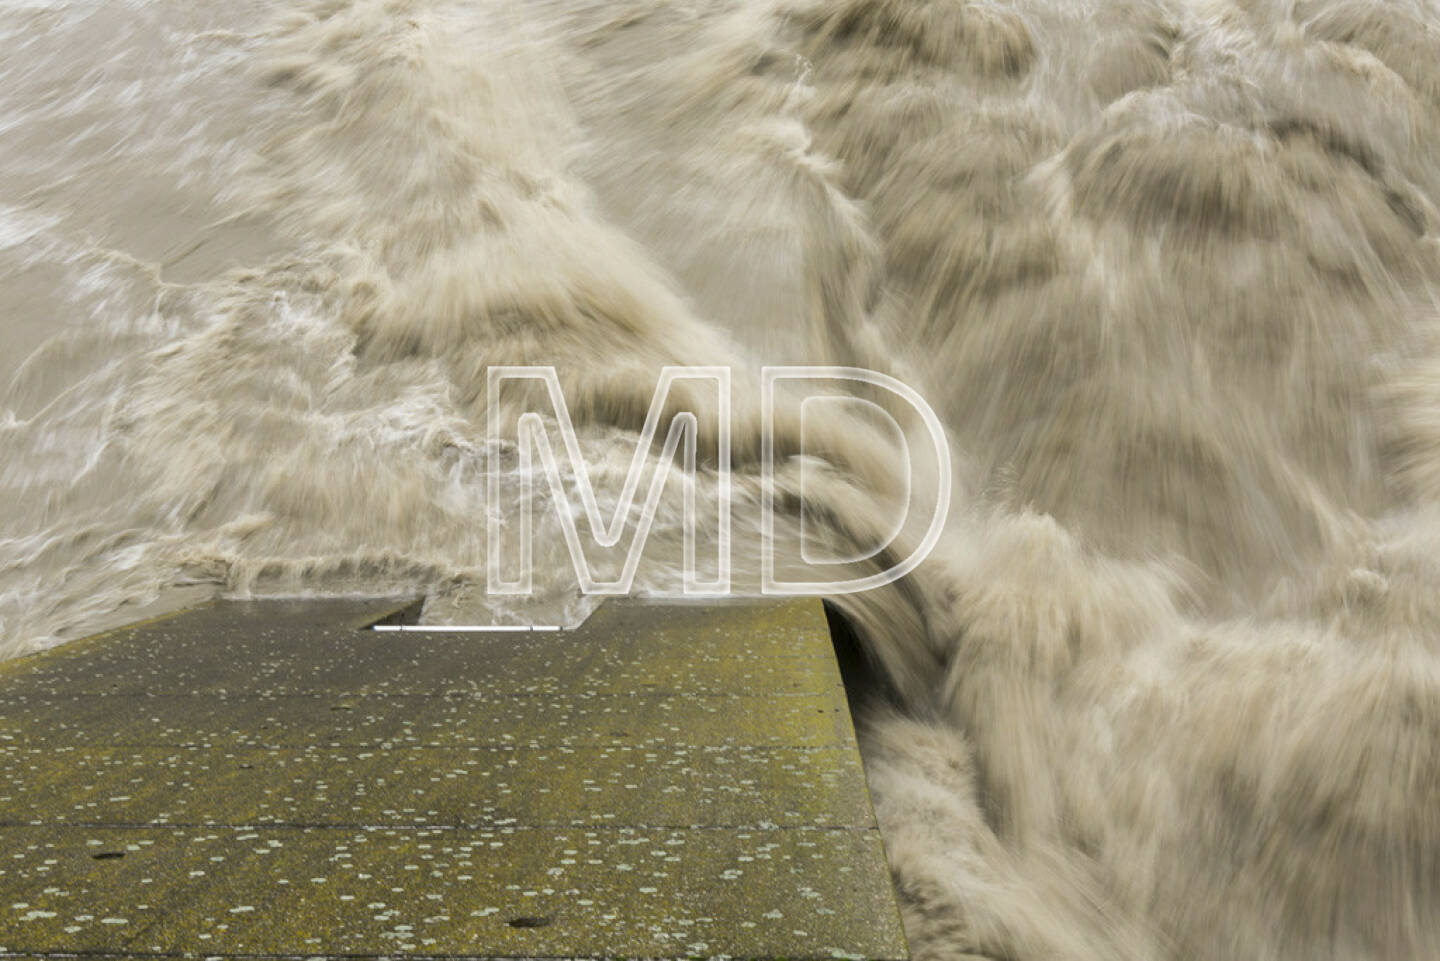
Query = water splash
x=1168 y=689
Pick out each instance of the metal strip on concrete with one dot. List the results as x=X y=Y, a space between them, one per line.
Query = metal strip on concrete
x=267 y=779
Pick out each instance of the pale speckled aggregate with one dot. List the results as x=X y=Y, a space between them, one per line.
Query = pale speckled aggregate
x=670 y=833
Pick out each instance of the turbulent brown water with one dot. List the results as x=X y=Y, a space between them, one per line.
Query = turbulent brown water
x=1170 y=685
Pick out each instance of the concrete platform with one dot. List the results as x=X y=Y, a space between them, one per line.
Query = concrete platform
x=268 y=779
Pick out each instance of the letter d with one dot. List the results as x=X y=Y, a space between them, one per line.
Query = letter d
x=769 y=584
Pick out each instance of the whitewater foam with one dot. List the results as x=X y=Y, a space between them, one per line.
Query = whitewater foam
x=1168 y=687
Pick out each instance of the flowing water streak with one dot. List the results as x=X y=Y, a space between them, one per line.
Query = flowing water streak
x=1169 y=687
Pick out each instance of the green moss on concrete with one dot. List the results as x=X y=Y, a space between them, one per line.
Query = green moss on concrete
x=262 y=778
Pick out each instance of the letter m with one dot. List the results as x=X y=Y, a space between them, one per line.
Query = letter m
x=532 y=436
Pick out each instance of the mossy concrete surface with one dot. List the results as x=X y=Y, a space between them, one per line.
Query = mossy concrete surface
x=270 y=779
